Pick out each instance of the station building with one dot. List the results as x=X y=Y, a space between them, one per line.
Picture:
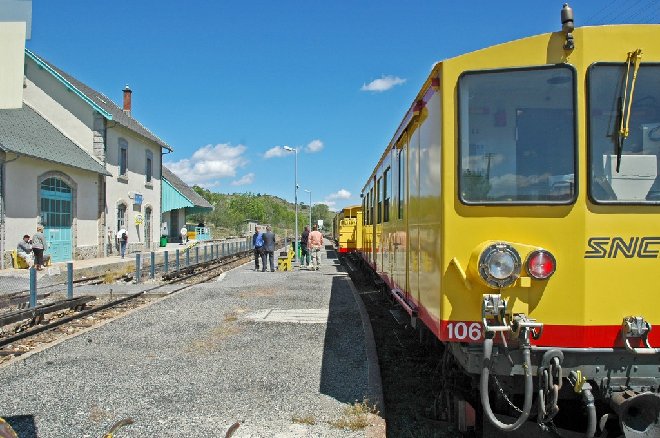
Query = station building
x=74 y=161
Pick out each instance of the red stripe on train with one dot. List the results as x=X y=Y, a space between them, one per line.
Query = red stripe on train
x=566 y=336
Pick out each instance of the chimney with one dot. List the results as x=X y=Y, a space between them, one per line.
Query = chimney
x=127 y=100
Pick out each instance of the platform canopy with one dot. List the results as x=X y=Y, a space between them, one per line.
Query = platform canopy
x=177 y=194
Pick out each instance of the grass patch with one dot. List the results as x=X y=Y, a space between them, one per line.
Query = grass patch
x=109 y=278
x=356 y=416
x=211 y=342
x=97 y=414
x=112 y=276
x=231 y=317
x=305 y=419
x=258 y=292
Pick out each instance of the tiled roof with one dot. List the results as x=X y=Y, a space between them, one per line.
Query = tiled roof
x=24 y=132
x=98 y=99
x=185 y=190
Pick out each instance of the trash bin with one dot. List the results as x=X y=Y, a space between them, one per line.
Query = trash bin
x=163 y=241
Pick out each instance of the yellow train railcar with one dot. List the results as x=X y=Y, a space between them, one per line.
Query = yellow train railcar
x=516 y=214
x=348 y=233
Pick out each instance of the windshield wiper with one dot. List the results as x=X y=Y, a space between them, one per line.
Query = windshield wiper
x=625 y=102
x=620 y=137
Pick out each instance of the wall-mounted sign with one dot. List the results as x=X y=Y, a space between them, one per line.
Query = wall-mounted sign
x=138 y=199
x=138 y=219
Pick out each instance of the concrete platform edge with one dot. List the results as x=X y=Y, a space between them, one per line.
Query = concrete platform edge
x=375 y=382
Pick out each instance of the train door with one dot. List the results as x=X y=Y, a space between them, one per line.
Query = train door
x=388 y=237
x=400 y=218
x=413 y=214
x=378 y=226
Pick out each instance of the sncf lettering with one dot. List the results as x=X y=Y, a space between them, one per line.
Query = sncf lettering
x=647 y=247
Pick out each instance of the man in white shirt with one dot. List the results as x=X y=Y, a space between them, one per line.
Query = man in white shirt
x=184 y=235
x=122 y=239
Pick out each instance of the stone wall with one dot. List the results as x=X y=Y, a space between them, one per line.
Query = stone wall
x=86 y=252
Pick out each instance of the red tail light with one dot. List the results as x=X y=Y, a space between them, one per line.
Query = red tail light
x=541 y=264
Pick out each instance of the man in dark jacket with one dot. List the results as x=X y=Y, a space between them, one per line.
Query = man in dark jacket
x=269 y=249
x=304 y=239
x=257 y=244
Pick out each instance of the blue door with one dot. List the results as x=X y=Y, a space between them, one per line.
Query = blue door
x=56 y=217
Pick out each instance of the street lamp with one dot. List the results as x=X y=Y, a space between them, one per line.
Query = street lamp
x=310 y=208
x=295 y=198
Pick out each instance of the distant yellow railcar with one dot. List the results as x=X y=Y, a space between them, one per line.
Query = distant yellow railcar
x=516 y=214
x=346 y=230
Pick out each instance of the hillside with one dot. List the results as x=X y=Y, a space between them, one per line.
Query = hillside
x=232 y=210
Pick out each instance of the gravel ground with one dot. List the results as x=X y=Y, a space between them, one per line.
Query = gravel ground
x=194 y=363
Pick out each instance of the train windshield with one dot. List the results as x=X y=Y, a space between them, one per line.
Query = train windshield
x=624 y=168
x=517 y=136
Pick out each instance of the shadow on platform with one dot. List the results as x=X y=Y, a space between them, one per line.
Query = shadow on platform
x=344 y=371
x=23 y=425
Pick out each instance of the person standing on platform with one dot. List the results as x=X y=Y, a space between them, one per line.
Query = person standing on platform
x=38 y=247
x=304 y=240
x=315 y=244
x=268 y=250
x=184 y=235
x=122 y=240
x=257 y=244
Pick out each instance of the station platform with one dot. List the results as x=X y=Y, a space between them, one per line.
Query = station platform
x=13 y=280
x=269 y=354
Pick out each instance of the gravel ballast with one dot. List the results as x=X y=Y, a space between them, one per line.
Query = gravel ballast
x=195 y=363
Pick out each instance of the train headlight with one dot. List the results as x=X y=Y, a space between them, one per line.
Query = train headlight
x=499 y=265
x=541 y=264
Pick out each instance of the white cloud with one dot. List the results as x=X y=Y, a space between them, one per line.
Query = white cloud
x=209 y=163
x=314 y=146
x=276 y=152
x=341 y=194
x=244 y=180
x=328 y=203
x=383 y=84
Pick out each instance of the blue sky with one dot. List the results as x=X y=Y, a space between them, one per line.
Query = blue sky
x=228 y=84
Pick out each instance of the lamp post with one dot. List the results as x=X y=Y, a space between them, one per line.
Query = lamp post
x=310 y=208
x=295 y=198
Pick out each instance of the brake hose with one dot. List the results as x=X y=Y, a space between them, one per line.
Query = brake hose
x=485 y=399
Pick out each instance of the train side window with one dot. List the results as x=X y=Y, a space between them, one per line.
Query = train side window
x=379 y=200
x=371 y=206
x=517 y=136
x=624 y=169
x=386 y=195
x=364 y=216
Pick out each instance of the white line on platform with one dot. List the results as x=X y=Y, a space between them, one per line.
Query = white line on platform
x=300 y=316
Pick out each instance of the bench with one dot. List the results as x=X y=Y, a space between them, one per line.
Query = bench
x=284 y=261
x=18 y=262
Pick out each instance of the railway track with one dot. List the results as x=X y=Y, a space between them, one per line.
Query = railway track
x=25 y=330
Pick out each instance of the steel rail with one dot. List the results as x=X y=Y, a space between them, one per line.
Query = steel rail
x=44 y=309
x=225 y=260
